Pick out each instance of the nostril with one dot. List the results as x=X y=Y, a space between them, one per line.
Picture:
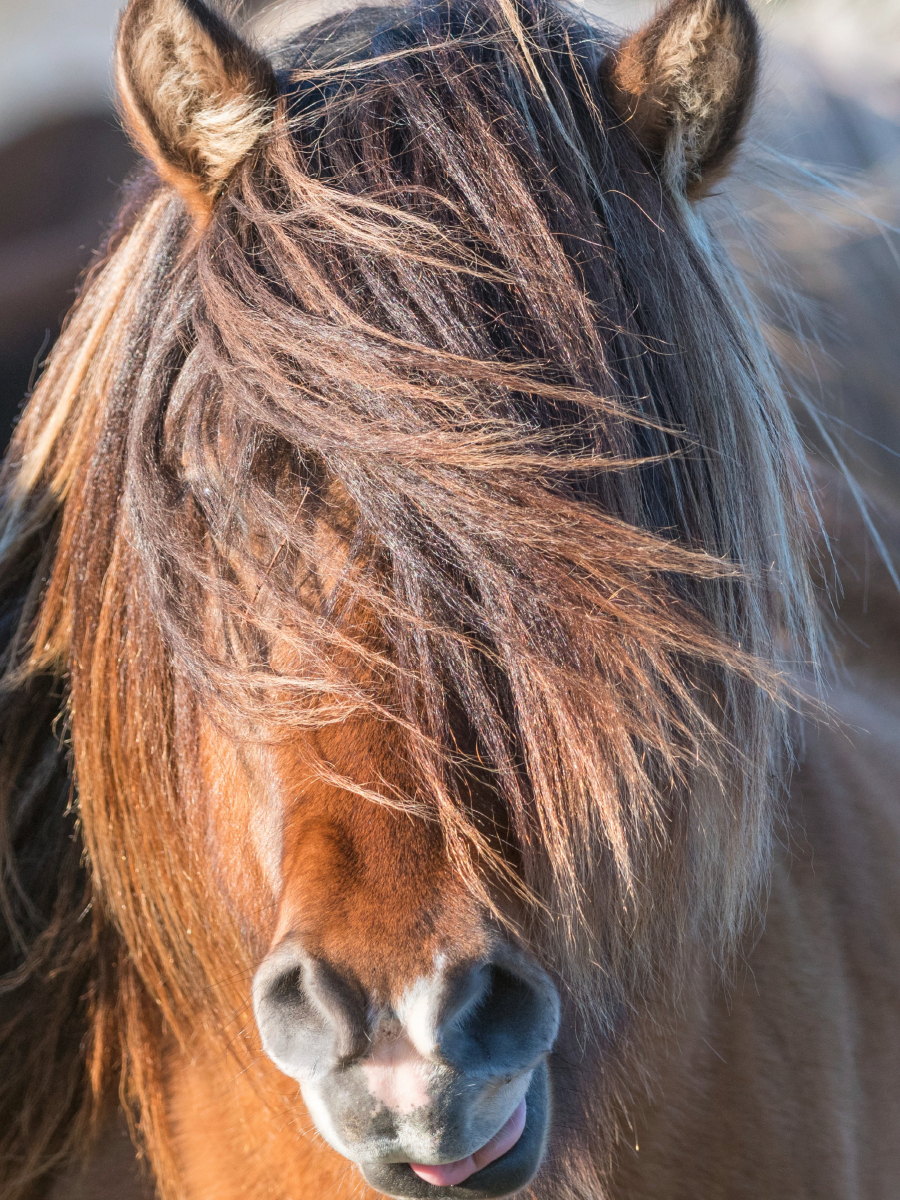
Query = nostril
x=508 y=1018
x=310 y=1017
x=286 y=990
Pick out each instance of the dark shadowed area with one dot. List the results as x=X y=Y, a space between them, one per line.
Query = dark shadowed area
x=58 y=191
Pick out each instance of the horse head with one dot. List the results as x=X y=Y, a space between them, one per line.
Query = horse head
x=421 y=666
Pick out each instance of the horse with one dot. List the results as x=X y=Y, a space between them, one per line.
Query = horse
x=416 y=778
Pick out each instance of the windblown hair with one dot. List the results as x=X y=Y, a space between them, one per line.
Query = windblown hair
x=453 y=416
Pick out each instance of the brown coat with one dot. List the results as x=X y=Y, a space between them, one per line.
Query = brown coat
x=787 y=1085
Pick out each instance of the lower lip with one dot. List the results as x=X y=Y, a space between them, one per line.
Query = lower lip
x=450 y=1174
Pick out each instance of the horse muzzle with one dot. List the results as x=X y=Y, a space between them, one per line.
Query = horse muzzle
x=443 y=1091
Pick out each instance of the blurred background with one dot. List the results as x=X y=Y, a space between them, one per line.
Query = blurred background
x=819 y=191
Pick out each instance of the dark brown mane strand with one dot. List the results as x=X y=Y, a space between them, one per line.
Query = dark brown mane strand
x=452 y=416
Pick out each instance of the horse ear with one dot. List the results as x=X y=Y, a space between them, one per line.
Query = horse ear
x=685 y=83
x=194 y=96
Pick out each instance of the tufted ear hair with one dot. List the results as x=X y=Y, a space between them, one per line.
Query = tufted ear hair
x=685 y=83
x=193 y=95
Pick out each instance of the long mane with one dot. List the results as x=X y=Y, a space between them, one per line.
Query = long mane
x=453 y=419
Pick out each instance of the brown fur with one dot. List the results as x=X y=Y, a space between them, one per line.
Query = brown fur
x=415 y=549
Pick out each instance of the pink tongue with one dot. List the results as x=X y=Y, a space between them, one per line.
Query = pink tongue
x=448 y=1174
